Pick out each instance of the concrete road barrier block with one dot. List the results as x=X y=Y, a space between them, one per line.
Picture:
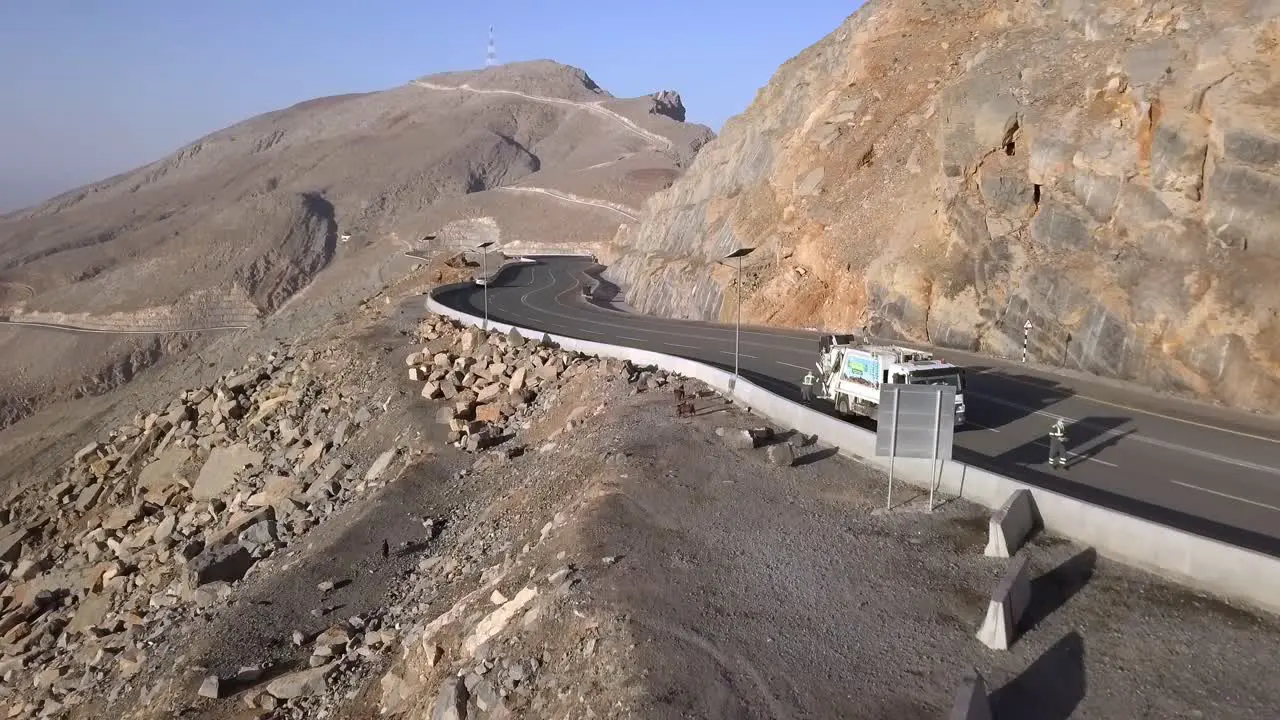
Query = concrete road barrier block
x=1010 y=525
x=972 y=701
x=1008 y=602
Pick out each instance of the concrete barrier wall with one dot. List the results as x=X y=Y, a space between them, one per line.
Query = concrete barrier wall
x=972 y=701
x=1009 y=526
x=1197 y=562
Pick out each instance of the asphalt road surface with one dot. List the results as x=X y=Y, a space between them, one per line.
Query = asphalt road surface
x=1198 y=468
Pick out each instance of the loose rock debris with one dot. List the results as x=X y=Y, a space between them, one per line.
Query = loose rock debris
x=531 y=589
x=157 y=522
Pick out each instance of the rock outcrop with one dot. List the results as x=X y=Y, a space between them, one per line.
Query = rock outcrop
x=947 y=171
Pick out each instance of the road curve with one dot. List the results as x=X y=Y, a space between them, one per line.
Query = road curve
x=1197 y=468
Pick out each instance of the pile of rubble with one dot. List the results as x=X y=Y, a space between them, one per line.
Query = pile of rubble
x=152 y=524
x=490 y=381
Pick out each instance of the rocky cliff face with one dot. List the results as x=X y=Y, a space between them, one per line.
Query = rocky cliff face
x=947 y=171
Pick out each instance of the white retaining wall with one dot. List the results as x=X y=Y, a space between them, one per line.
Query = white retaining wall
x=1192 y=560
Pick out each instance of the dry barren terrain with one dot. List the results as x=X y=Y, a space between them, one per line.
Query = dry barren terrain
x=404 y=518
x=225 y=232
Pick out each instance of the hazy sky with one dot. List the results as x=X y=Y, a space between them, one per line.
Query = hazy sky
x=92 y=88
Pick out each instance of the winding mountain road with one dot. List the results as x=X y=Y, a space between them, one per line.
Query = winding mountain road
x=623 y=210
x=596 y=108
x=1201 y=469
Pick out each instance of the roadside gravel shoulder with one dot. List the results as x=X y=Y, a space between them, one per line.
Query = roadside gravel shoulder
x=682 y=576
x=758 y=591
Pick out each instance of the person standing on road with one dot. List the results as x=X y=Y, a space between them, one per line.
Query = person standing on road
x=1057 y=445
x=806 y=386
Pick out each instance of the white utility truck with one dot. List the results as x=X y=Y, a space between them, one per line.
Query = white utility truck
x=850 y=374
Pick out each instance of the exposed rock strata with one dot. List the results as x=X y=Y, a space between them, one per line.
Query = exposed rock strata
x=948 y=171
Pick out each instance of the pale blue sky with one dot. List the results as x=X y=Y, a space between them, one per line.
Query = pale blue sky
x=95 y=87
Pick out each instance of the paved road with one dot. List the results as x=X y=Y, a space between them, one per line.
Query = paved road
x=1195 y=467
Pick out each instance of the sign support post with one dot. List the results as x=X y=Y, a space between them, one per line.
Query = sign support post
x=893 y=449
x=910 y=422
x=937 y=432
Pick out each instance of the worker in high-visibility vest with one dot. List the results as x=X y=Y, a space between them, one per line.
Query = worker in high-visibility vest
x=806 y=386
x=1057 y=445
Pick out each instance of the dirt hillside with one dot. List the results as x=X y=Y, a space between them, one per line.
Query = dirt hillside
x=948 y=171
x=225 y=231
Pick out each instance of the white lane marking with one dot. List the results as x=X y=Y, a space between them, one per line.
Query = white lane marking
x=524 y=299
x=1226 y=495
x=741 y=354
x=691 y=347
x=1205 y=454
x=1070 y=454
x=1152 y=413
x=783 y=332
x=634 y=323
x=628 y=337
x=980 y=425
x=577 y=323
x=798 y=367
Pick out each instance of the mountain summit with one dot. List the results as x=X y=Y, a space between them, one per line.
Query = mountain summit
x=225 y=231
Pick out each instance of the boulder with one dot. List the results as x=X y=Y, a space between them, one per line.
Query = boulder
x=166 y=471
x=781 y=454
x=488 y=413
x=303 y=683
x=451 y=700
x=221 y=471
x=225 y=563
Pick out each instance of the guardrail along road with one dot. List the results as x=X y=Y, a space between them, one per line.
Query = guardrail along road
x=1200 y=469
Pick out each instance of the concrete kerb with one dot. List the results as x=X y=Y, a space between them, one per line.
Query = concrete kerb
x=1008 y=601
x=1010 y=525
x=972 y=701
x=1201 y=563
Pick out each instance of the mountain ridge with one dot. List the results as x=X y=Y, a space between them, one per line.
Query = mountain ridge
x=260 y=209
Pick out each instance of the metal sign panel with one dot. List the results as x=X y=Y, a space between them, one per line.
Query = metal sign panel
x=914 y=421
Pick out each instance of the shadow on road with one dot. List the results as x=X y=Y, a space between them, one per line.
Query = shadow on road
x=1063 y=485
x=1055 y=588
x=999 y=397
x=1050 y=689
x=604 y=294
x=1082 y=453
x=1085 y=439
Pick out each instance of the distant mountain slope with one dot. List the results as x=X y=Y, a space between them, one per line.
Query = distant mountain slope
x=234 y=224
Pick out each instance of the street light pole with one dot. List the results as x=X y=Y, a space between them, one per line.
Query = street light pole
x=484 y=275
x=737 y=324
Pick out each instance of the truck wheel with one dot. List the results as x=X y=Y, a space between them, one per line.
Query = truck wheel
x=842 y=405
